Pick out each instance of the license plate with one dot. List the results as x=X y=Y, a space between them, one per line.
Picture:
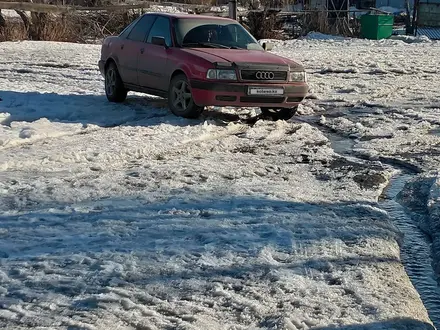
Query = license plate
x=265 y=91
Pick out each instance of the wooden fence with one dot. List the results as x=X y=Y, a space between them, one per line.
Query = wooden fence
x=46 y=8
x=262 y=24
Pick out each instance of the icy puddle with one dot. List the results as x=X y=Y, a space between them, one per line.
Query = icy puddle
x=415 y=250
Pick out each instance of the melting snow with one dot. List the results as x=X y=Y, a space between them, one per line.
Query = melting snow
x=126 y=217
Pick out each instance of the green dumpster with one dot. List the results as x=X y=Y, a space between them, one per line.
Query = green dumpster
x=376 y=27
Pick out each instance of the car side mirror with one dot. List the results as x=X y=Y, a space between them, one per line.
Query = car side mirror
x=159 y=41
x=267 y=46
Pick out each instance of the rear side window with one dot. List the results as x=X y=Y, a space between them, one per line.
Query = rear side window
x=128 y=29
x=161 y=28
x=140 y=30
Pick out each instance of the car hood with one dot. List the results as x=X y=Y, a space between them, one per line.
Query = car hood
x=242 y=56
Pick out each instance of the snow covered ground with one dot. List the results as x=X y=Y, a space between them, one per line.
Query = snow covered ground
x=126 y=217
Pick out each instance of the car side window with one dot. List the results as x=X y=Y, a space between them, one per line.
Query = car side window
x=140 y=30
x=126 y=31
x=161 y=28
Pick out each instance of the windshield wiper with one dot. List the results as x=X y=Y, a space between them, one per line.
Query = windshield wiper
x=205 y=44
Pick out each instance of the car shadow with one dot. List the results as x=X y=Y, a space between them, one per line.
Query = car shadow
x=91 y=109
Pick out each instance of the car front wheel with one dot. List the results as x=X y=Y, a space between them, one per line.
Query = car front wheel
x=180 y=98
x=114 y=87
x=279 y=113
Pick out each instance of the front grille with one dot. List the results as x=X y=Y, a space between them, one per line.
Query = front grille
x=261 y=99
x=252 y=75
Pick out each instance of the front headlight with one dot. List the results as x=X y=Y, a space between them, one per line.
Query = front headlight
x=221 y=74
x=298 y=76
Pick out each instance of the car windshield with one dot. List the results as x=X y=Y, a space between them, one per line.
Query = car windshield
x=213 y=33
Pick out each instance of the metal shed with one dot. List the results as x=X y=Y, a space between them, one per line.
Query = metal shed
x=398 y=4
x=428 y=13
x=428 y=18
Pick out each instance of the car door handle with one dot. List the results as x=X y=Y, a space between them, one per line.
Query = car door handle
x=122 y=46
x=142 y=50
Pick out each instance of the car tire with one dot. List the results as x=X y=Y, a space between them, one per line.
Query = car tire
x=180 y=100
x=114 y=87
x=279 y=113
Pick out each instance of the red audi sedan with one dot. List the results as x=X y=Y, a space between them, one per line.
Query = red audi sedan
x=196 y=61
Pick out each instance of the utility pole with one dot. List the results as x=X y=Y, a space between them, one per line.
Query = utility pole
x=408 y=28
x=233 y=9
x=415 y=20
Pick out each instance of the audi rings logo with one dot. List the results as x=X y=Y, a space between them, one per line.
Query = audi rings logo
x=264 y=75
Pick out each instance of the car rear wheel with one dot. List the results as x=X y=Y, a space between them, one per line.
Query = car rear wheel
x=279 y=113
x=114 y=87
x=180 y=98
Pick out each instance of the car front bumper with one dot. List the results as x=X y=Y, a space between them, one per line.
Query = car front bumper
x=207 y=93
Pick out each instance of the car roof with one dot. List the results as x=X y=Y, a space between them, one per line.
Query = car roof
x=194 y=16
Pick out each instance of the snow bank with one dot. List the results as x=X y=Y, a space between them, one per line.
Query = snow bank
x=322 y=36
x=412 y=39
x=10 y=13
x=167 y=9
x=219 y=9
